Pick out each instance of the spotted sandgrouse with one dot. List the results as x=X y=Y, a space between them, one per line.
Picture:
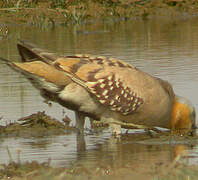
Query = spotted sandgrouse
x=105 y=89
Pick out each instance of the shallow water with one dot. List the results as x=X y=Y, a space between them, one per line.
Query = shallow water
x=161 y=47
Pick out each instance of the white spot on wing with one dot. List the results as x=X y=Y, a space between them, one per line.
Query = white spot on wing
x=110 y=83
x=98 y=95
x=105 y=92
x=119 y=108
x=106 y=97
x=102 y=101
x=92 y=90
x=101 y=80
x=117 y=84
x=112 y=102
x=116 y=97
x=92 y=83
x=102 y=85
x=133 y=109
x=111 y=91
x=139 y=103
x=113 y=109
x=110 y=78
x=111 y=88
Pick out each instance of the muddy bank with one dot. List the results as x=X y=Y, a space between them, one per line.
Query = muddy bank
x=38 y=124
x=49 y=13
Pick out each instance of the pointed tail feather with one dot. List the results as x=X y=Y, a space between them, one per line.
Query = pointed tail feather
x=37 y=80
x=13 y=66
x=30 y=52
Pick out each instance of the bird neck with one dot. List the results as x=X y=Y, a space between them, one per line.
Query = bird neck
x=180 y=119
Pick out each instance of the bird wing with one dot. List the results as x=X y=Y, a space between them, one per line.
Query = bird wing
x=106 y=78
x=38 y=62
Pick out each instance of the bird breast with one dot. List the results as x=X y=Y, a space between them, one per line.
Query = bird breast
x=79 y=97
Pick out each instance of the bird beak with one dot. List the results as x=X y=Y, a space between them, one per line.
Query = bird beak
x=193 y=120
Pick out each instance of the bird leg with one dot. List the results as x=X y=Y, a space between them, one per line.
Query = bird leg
x=80 y=121
x=116 y=126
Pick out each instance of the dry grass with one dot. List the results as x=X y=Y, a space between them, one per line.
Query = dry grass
x=41 y=171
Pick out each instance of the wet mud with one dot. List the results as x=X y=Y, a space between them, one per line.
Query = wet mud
x=35 y=125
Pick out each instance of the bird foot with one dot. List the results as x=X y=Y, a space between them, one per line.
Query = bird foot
x=48 y=102
x=136 y=126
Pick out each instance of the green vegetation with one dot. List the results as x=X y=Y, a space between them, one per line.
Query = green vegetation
x=51 y=12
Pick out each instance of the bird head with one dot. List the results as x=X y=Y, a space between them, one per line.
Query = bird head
x=183 y=116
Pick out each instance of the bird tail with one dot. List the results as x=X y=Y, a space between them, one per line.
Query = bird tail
x=30 y=52
x=39 y=79
x=15 y=67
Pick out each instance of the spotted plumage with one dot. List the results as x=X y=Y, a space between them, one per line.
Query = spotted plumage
x=106 y=88
x=120 y=99
x=100 y=60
